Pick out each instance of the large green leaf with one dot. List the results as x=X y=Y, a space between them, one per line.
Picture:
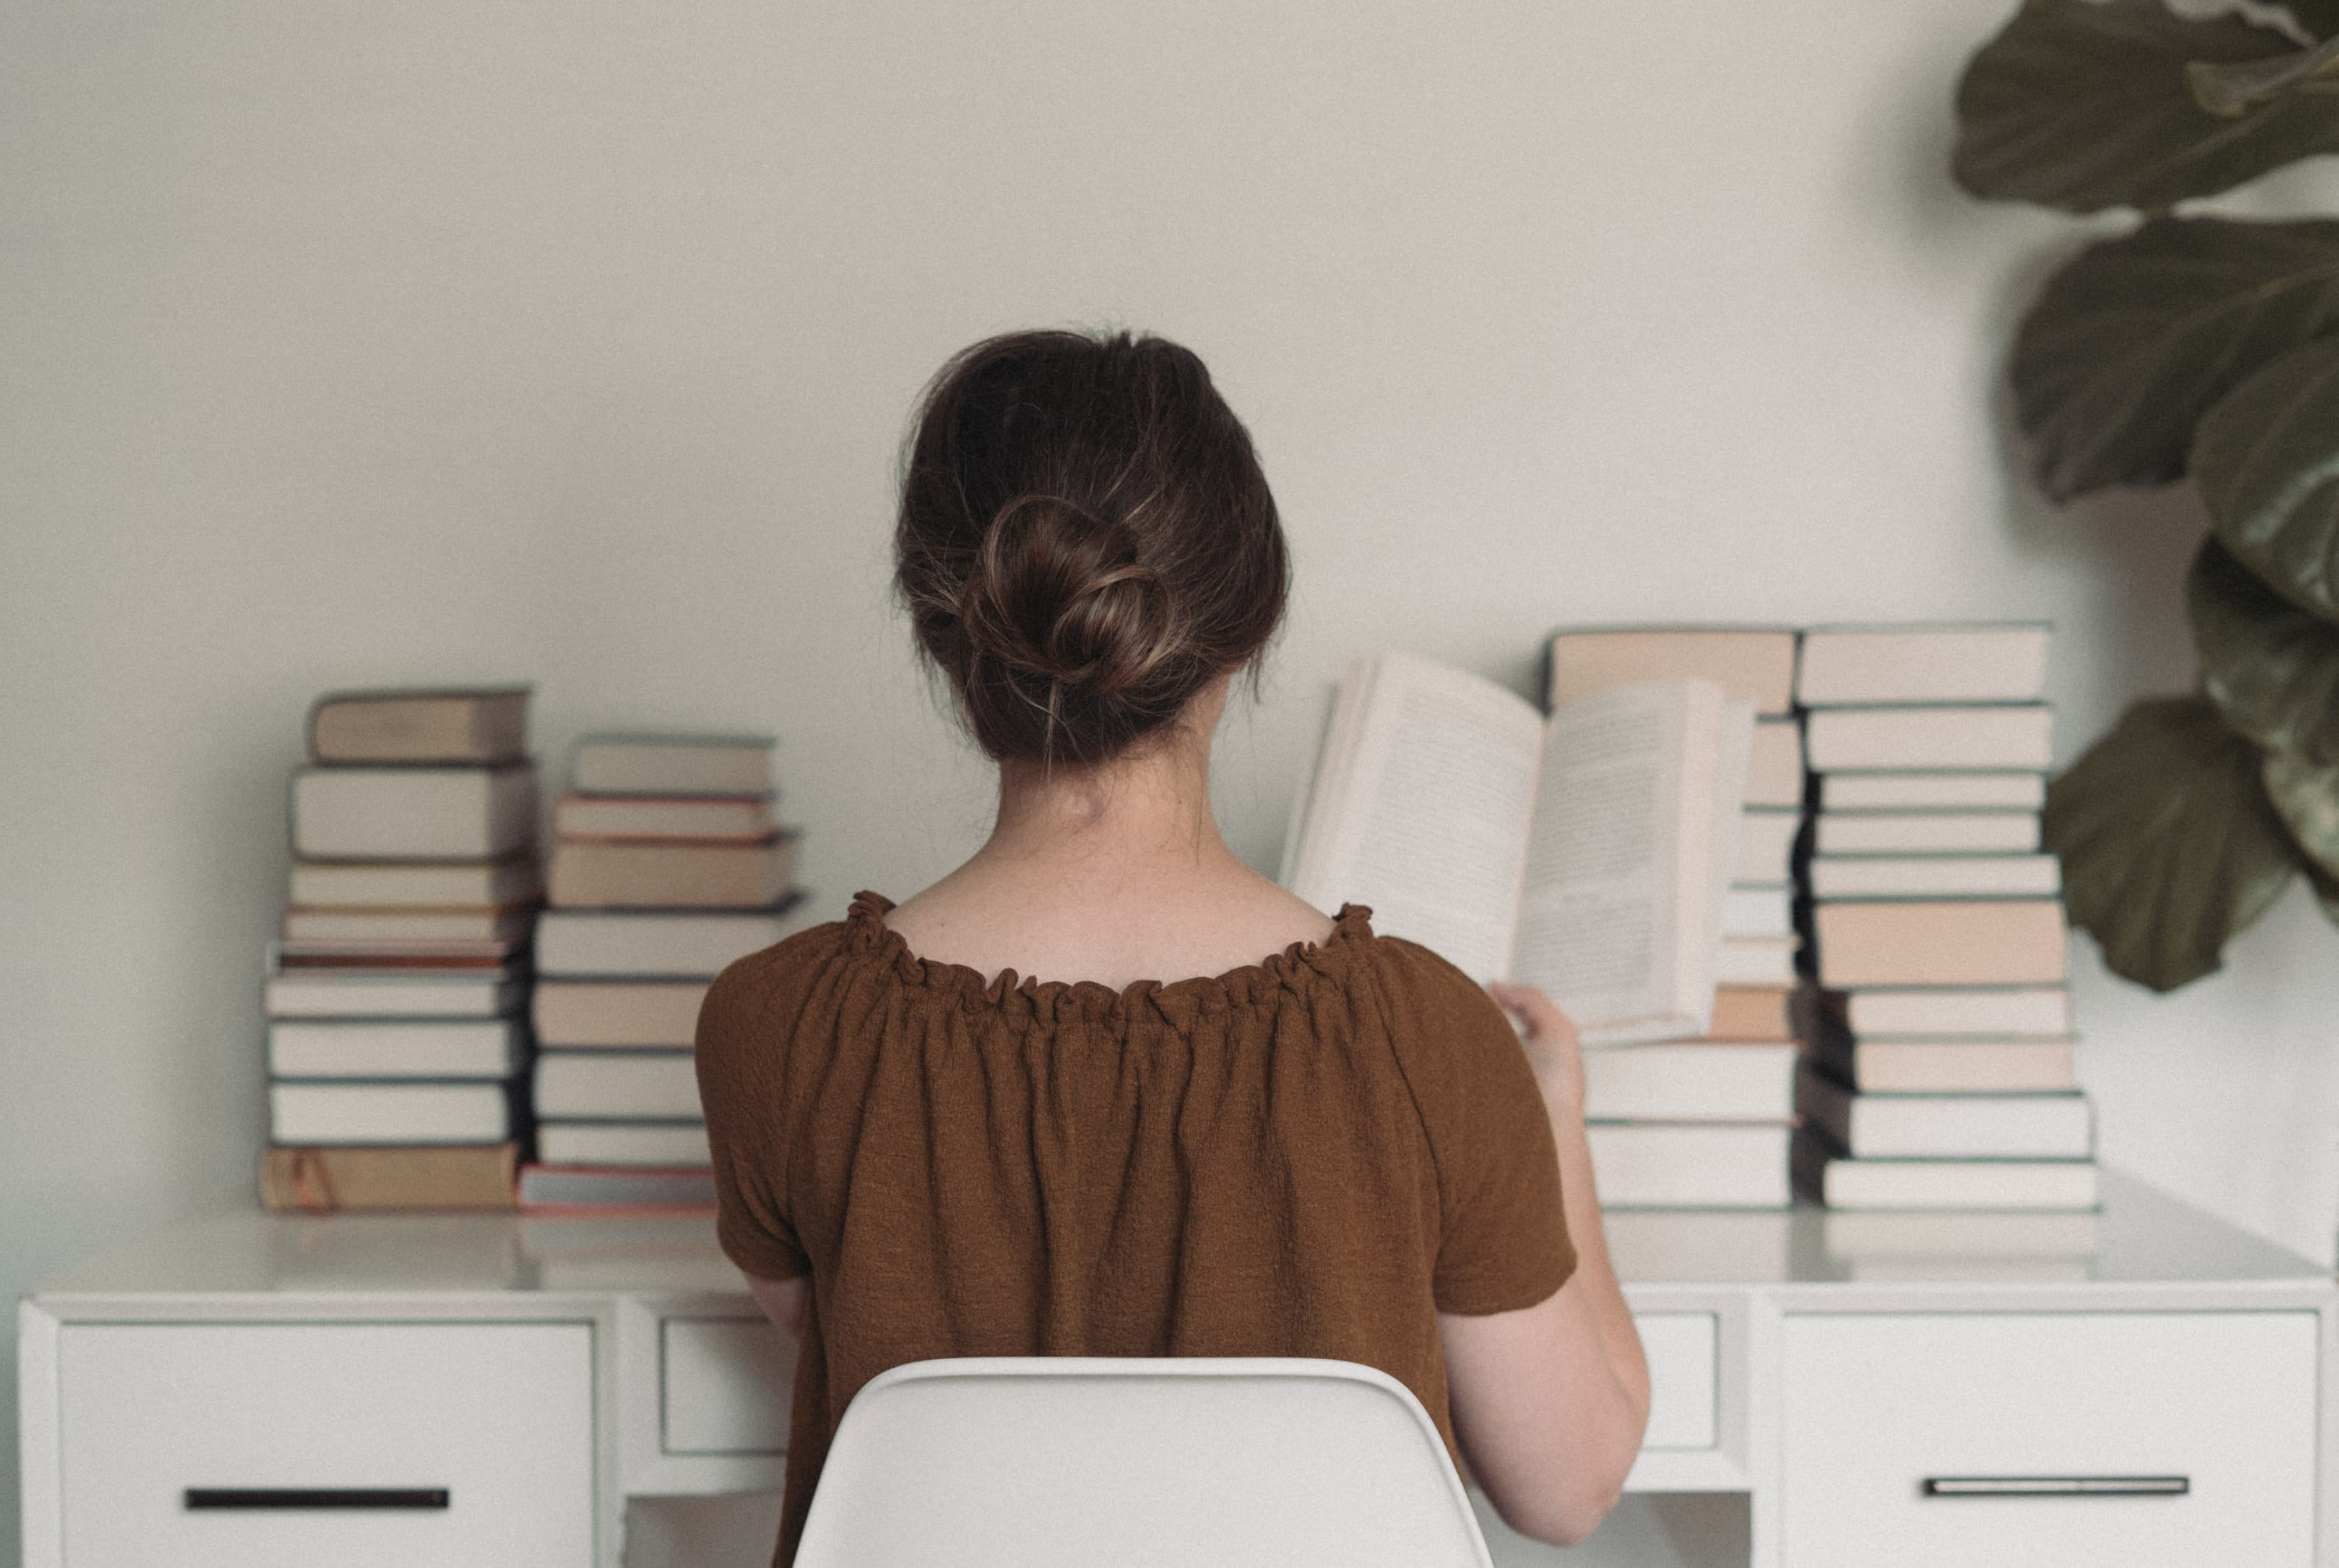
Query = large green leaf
x=2084 y=104
x=2327 y=892
x=2306 y=796
x=2132 y=343
x=2233 y=89
x=2169 y=845
x=2320 y=18
x=2266 y=458
x=2272 y=669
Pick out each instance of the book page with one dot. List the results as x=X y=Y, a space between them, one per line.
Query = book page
x=1317 y=800
x=1618 y=885
x=1711 y=857
x=1424 y=819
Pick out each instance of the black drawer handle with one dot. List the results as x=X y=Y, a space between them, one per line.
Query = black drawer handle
x=423 y=1499
x=2057 y=1485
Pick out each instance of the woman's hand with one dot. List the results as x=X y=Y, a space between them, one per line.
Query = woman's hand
x=1552 y=1047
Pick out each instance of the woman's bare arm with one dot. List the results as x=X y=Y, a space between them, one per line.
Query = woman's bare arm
x=1549 y=1401
x=783 y=1301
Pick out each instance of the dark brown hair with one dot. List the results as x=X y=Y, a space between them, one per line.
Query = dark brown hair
x=1085 y=542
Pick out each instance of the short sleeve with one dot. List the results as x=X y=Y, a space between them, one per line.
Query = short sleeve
x=743 y=1030
x=1502 y=1242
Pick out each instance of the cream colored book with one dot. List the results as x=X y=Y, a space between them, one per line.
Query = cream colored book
x=1586 y=853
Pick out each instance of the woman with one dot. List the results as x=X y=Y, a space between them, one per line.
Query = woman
x=1337 y=1149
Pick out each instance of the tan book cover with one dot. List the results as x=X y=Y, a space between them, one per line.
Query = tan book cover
x=671 y=875
x=1751 y=1012
x=727 y=818
x=1949 y=1066
x=482 y=726
x=680 y=764
x=1774 y=767
x=375 y=884
x=1980 y=941
x=588 y=1013
x=337 y=924
x=310 y=1180
x=1757 y=664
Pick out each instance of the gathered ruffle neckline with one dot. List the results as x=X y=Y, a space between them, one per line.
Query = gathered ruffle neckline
x=871 y=938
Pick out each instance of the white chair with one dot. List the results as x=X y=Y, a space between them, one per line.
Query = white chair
x=1044 y=1462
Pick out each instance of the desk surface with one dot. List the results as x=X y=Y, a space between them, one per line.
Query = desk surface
x=2140 y=1237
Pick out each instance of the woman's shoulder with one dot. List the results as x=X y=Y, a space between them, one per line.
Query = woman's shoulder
x=1450 y=1038
x=773 y=985
x=1420 y=977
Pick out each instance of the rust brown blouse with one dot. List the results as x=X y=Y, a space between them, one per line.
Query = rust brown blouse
x=1314 y=1155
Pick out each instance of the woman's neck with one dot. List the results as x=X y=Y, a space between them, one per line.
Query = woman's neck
x=1113 y=874
x=1139 y=819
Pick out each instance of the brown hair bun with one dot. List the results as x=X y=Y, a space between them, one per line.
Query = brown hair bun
x=1085 y=540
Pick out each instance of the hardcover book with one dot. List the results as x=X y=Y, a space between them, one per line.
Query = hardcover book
x=327 y=1181
x=1756 y=664
x=330 y=1112
x=673 y=764
x=583 y=1012
x=1965 y=1066
x=1850 y=791
x=396 y=1048
x=636 y=875
x=716 y=818
x=1689 y=1165
x=468 y=813
x=657 y=1143
x=1925 y=833
x=1870 y=1126
x=1586 y=855
x=1947 y=943
x=1855 y=665
x=625 y=1086
x=1936 y=876
x=364 y=884
x=1930 y=740
x=390 y=994
x=1684 y=1081
x=1841 y=1182
x=466 y=725
x=664 y=944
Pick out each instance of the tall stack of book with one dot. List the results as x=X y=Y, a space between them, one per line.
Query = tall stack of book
x=1941 y=1071
x=394 y=998
x=1704 y=1120
x=667 y=864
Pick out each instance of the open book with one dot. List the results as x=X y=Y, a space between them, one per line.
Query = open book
x=1585 y=853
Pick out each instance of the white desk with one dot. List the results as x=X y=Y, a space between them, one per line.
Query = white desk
x=1822 y=1367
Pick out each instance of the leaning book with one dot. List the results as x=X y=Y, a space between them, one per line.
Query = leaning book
x=1586 y=853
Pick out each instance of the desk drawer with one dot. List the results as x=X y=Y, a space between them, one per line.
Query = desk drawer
x=499 y=1417
x=1681 y=1348
x=1877 y=1406
x=727 y=1383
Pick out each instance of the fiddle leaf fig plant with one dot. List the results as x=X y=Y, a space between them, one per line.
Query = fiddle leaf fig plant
x=2186 y=348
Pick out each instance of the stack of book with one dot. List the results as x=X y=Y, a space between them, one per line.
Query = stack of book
x=667 y=864
x=1704 y=1120
x=394 y=998
x=1941 y=1071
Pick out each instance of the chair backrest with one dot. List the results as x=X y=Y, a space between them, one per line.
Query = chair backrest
x=1058 y=1461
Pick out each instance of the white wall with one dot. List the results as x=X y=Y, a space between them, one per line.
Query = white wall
x=344 y=344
